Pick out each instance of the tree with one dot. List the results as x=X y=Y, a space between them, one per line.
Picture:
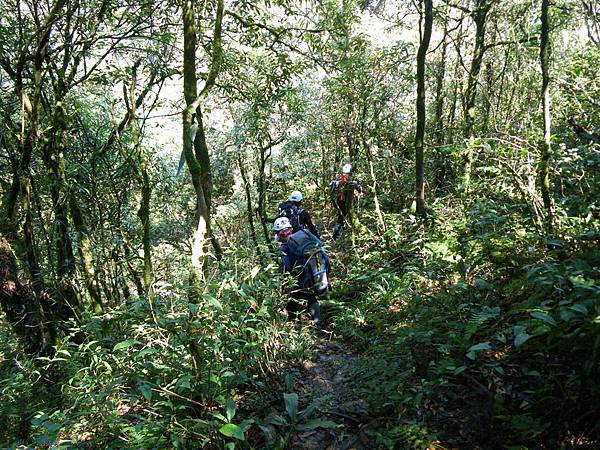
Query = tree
x=427 y=18
x=482 y=7
x=195 y=149
x=546 y=149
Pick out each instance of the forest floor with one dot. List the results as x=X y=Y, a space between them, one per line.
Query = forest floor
x=328 y=377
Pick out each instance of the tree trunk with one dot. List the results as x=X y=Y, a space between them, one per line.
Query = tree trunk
x=194 y=148
x=264 y=156
x=546 y=149
x=19 y=304
x=67 y=303
x=480 y=14
x=380 y=218
x=249 y=207
x=421 y=118
x=144 y=209
x=203 y=157
x=439 y=92
x=86 y=255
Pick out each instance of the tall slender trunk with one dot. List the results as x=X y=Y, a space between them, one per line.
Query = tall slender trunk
x=19 y=303
x=480 y=14
x=144 y=209
x=264 y=156
x=380 y=218
x=190 y=127
x=427 y=16
x=439 y=91
x=249 y=207
x=86 y=256
x=67 y=303
x=546 y=149
x=194 y=142
x=203 y=157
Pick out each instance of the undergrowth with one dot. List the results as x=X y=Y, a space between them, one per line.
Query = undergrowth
x=476 y=330
x=188 y=379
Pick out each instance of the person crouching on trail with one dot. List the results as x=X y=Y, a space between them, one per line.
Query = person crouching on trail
x=303 y=255
x=298 y=216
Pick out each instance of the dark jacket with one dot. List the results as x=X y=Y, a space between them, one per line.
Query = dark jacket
x=304 y=219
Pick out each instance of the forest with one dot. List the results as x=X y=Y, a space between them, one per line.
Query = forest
x=145 y=149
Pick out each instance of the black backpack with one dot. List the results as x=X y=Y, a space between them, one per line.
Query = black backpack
x=312 y=257
x=292 y=212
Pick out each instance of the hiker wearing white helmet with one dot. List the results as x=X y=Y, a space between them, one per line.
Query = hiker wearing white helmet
x=341 y=188
x=298 y=216
x=303 y=255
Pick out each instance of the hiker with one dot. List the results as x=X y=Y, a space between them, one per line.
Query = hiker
x=303 y=256
x=297 y=215
x=340 y=188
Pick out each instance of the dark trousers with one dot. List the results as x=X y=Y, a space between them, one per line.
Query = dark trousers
x=294 y=306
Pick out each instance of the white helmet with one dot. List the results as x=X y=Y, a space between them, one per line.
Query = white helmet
x=296 y=196
x=347 y=168
x=281 y=223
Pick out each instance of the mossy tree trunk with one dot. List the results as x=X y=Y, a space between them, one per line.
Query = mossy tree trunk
x=546 y=149
x=194 y=143
x=427 y=17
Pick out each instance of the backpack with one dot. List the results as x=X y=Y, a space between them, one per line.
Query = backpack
x=338 y=187
x=292 y=212
x=312 y=256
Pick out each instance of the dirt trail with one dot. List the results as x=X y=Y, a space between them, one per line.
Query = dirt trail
x=327 y=376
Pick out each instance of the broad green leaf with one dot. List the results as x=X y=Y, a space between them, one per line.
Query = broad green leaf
x=521 y=335
x=125 y=344
x=184 y=382
x=544 y=316
x=214 y=302
x=146 y=391
x=459 y=370
x=230 y=408
x=480 y=346
x=311 y=408
x=51 y=427
x=276 y=419
x=232 y=430
x=147 y=351
x=579 y=308
x=291 y=405
x=520 y=339
x=316 y=423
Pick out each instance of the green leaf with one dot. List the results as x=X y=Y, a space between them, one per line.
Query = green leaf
x=214 y=302
x=291 y=405
x=230 y=408
x=544 y=316
x=316 y=423
x=459 y=370
x=278 y=420
x=521 y=335
x=480 y=346
x=146 y=391
x=232 y=430
x=146 y=351
x=579 y=308
x=125 y=344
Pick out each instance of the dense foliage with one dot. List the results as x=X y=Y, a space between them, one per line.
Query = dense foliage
x=145 y=147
